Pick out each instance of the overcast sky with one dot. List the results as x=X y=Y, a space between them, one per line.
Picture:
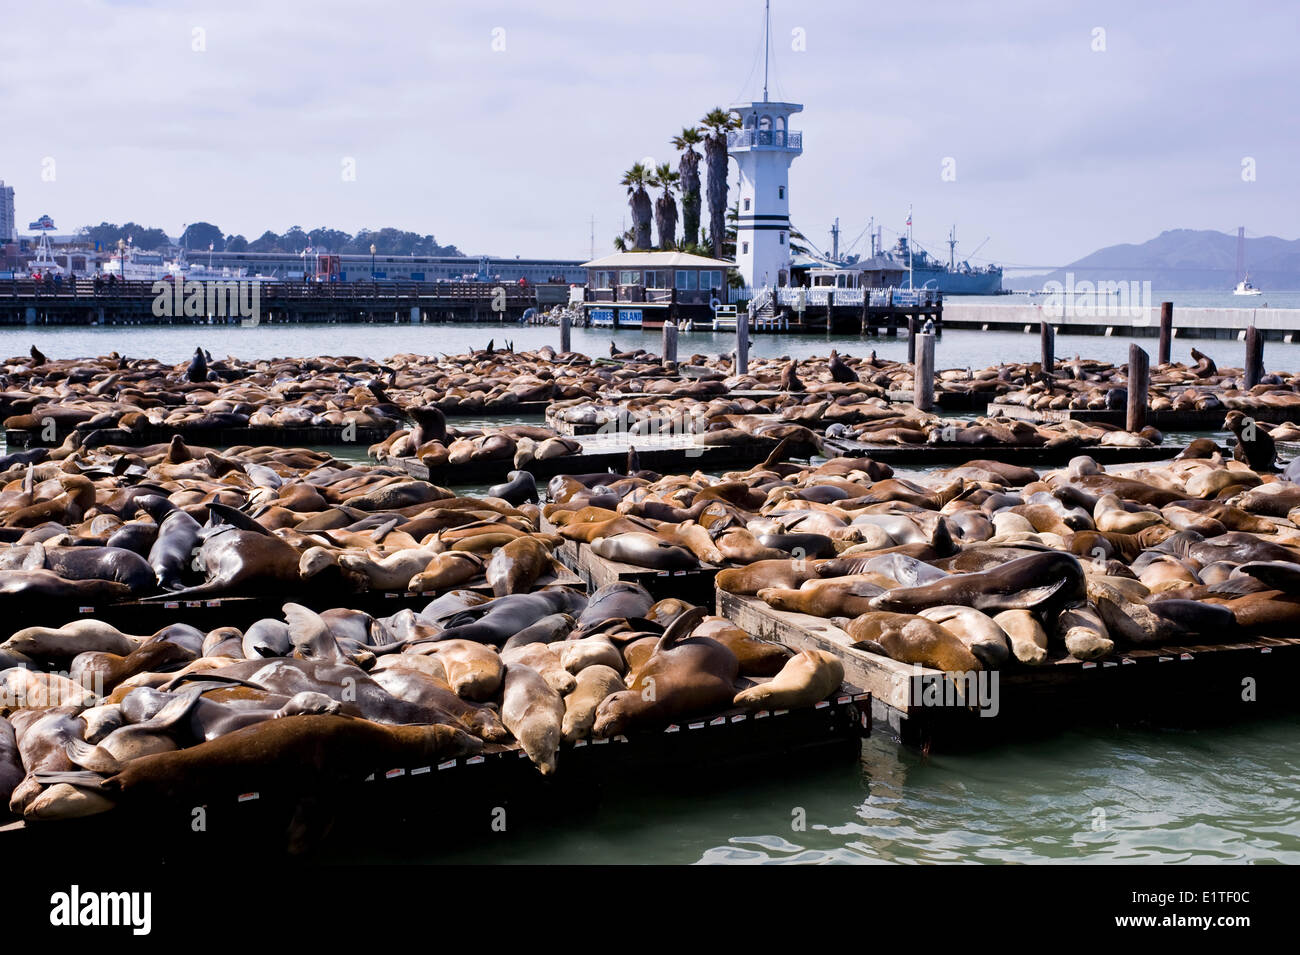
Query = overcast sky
x=1063 y=139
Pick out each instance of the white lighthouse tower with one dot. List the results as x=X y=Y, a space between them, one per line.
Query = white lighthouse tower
x=763 y=148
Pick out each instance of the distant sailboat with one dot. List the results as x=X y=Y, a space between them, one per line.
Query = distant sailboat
x=1245 y=288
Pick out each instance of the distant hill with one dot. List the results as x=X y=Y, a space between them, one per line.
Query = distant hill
x=1185 y=260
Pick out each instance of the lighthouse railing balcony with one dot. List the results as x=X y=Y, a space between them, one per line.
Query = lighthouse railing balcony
x=779 y=138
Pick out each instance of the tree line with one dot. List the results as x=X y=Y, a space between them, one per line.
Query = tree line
x=198 y=236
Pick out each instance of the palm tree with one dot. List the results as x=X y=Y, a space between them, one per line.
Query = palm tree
x=664 y=178
x=636 y=179
x=624 y=242
x=688 y=171
x=715 y=125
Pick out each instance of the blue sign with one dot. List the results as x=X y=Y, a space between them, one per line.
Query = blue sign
x=602 y=316
x=629 y=316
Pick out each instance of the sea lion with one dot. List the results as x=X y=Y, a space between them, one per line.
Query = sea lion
x=909 y=638
x=1084 y=633
x=247 y=562
x=979 y=632
x=827 y=596
x=595 y=683
x=534 y=713
x=756 y=657
x=515 y=567
x=1027 y=637
x=840 y=371
x=1047 y=580
x=1255 y=446
x=520 y=488
x=446 y=570
x=474 y=671
x=549 y=629
x=645 y=550
x=544 y=659
x=577 y=655
x=683 y=676
x=297 y=754
x=748 y=581
x=809 y=676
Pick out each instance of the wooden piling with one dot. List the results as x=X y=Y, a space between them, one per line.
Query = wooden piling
x=923 y=373
x=911 y=339
x=565 y=339
x=742 y=342
x=830 y=311
x=1139 y=380
x=1254 y=356
x=1166 y=332
x=670 y=343
x=1047 y=341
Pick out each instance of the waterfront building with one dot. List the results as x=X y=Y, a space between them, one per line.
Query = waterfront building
x=8 y=225
x=639 y=289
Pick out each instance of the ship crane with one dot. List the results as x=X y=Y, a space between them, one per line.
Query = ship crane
x=980 y=246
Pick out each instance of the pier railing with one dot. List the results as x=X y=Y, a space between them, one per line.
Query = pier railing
x=879 y=297
x=780 y=138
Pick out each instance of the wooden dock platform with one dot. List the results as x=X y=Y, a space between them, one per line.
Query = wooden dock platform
x=665 y=454
x=944 y=454
x=211 y=437
x=1164 y=420
x=429 y=806
x=1168 y=683
x=693 y=586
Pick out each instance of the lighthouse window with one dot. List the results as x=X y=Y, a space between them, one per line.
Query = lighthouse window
x=780 y=192
x=781 y=240
x=744 y=248
x=746 y=205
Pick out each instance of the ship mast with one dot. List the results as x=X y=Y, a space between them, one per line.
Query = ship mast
x=952 y=248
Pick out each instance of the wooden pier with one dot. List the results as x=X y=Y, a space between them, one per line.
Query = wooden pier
x=923 y=455
x=79 y=302
x=692 y=585
x=1168 y=683
x=714 y=747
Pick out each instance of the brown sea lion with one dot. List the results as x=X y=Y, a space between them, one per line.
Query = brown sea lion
x=908 y=638
x=595 y=683
x=534 y=713
x=809 y=676
x=685 y=675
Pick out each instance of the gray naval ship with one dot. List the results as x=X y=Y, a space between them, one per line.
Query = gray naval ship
x=952 y=278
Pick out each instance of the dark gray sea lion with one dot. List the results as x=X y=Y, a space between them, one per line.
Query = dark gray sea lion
x=266 y=638
x=790 y=378
x=620 y=600
x=1039 y=581
x=197 y=370
x=173 y=553
x=497 y=621
x=101 y=563
x=135 y=536
x=430 y=425
x=520 y=488
x=840 y=371
x=1255 y=446
x=549 y=629
x=1194 y=618
x=800 y=545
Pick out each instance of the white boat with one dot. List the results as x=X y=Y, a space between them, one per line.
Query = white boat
x=1245 y=288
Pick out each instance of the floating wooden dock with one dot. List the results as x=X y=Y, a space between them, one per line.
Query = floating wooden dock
x=455 y=800
x=665 y=454
x=1164 y=420
x=922 y=455
x=1173 y=682
x=693 y=586
x=149 y=616
x=211 y=437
